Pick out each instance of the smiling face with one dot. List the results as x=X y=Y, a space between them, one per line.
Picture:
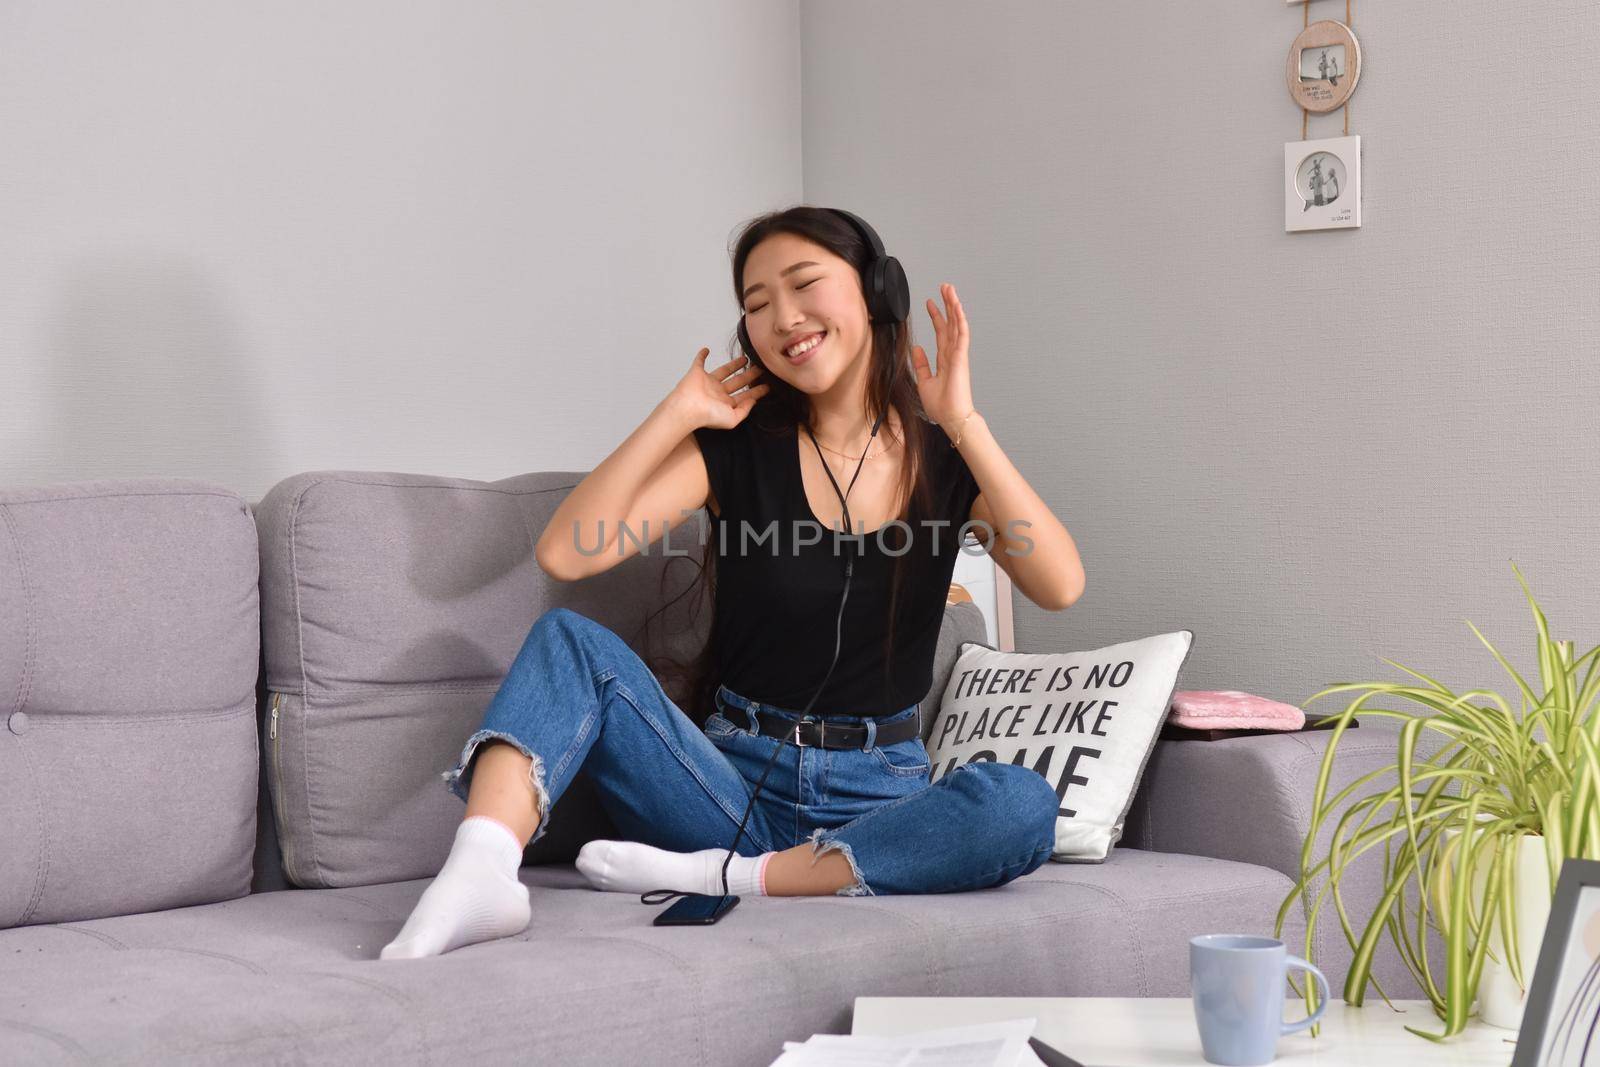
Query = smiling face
x=794 y=289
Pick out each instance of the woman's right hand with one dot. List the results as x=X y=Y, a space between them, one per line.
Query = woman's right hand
x=706 y=397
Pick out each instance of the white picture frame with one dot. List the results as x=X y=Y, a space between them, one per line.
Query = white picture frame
x=990 y=588
x=1322 y=184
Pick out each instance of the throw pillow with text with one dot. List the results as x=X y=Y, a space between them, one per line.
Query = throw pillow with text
x=1087 y=721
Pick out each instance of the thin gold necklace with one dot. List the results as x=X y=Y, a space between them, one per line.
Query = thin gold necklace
x=846 y=455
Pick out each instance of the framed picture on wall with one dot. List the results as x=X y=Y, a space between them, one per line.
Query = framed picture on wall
x=1322 y=184
x=1324 y=66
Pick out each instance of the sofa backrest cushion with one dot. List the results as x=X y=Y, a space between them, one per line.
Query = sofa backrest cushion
x=963 y=625
x=392 y=607
x=129 y=649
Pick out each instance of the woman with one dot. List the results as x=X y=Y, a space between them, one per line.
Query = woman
x=847 y=808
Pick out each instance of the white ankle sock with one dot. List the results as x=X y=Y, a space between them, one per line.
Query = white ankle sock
x=476 y=896
x=631 y=867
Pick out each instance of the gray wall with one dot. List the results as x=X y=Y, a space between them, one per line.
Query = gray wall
x=244 y=240
x=1312 y=449
x=247 y=240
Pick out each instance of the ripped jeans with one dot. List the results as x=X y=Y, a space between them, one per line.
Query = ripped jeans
x=578 y=695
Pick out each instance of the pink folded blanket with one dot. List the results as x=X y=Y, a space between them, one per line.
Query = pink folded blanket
x=1230 y=709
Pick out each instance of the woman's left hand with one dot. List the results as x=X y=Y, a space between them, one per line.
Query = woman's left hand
x=947 y=395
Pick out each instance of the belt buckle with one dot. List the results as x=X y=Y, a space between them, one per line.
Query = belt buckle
x=822 y=733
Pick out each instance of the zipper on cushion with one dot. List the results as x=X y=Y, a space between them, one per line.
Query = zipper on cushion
x=278 y=803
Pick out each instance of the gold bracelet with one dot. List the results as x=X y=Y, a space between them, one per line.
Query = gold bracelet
x=962 y=428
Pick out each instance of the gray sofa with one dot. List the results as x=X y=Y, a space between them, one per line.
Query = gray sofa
x=222 y=732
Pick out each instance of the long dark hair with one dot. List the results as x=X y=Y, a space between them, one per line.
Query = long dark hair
x=784 y=409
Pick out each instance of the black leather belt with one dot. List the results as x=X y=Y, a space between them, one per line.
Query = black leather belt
x=816 y=733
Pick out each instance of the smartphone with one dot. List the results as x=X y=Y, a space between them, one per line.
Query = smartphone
x=696 y=909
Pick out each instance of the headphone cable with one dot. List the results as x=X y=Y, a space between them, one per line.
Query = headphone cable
x=838 y=631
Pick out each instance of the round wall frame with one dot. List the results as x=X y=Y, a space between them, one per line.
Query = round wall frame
x=1324 y=66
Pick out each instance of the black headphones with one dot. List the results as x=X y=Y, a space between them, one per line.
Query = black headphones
x=883 y=281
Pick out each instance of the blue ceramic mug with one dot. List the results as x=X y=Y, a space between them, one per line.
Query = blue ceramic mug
x=1238 y=983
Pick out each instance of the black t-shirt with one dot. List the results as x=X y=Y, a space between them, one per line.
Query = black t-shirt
x=780 y=573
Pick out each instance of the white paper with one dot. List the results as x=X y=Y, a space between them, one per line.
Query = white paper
x=1001 y=1044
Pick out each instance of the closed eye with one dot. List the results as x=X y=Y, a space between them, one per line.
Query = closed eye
x=758 y=307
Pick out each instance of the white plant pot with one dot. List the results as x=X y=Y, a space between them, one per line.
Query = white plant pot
x=1500 y=998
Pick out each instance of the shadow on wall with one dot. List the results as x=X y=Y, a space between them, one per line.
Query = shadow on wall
x=145 y=373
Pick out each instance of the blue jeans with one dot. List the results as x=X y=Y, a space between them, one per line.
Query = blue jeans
x=578 y=696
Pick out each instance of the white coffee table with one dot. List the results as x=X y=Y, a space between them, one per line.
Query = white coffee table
x=1148 y=1031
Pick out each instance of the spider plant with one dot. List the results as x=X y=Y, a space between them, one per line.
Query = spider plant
x=1504 y=774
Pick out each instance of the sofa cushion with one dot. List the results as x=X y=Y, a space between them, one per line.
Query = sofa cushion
x=291 y=975
x=964 y=626
x=129 y=648
x=392 y=607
